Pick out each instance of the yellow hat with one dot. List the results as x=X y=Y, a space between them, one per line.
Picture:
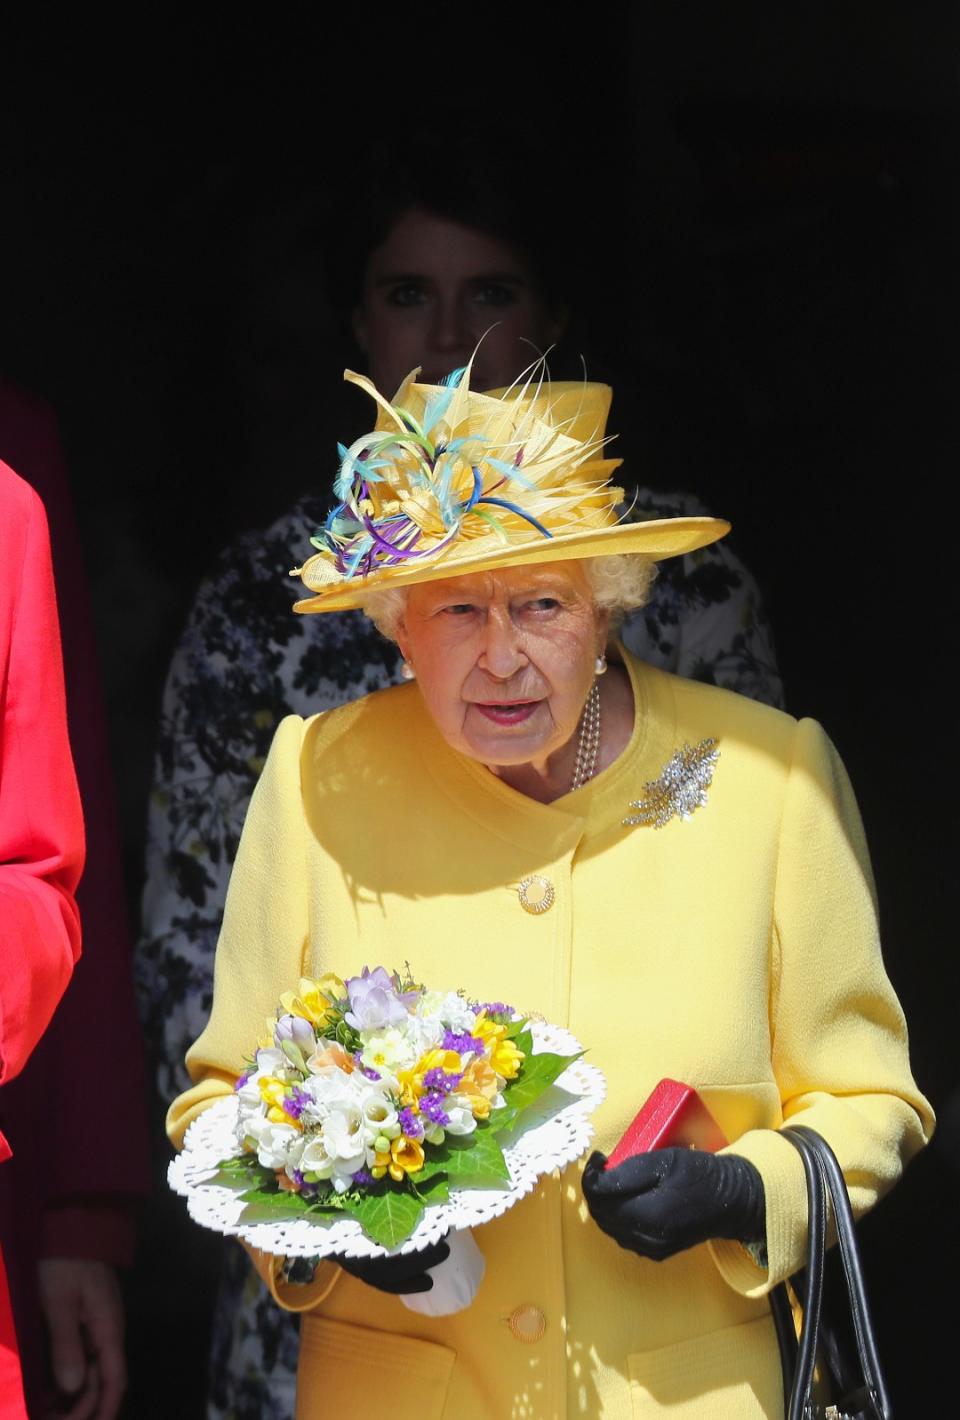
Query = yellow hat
x=452 y=482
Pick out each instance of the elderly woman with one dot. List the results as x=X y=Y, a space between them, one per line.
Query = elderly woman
x=673 y=872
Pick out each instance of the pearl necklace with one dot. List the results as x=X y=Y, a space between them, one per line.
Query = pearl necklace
x=588 y=740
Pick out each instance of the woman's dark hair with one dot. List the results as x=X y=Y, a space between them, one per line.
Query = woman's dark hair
x=468 y=171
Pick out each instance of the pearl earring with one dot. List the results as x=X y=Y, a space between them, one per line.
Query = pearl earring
x=600 y=665
x=407 y=671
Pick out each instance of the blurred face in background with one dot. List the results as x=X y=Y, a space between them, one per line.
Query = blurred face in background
x=433 y=288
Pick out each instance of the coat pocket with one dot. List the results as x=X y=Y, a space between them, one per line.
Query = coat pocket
x=354 y=1370
x=733 y=1374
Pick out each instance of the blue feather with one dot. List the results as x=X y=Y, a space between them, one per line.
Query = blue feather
x=436 y=407
x=512 y=507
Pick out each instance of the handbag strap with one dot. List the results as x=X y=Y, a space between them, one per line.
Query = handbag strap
x=824 y=1176
x=801 y=1392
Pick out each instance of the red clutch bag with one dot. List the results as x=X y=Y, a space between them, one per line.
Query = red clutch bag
x=674 y=1114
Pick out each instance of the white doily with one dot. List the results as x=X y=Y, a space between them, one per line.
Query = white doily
x=552 y=1133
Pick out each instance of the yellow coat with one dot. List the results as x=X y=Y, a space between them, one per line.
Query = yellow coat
x=735 y=950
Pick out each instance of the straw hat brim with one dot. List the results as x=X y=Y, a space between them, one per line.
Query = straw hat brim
x=657 y=539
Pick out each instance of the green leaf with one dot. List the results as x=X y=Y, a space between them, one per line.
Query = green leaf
x=435 y=1189
x=271 y=1205
x=387 y=1218
x=233 y=1170
x=502 y=1119
x=433 y=1168
x=523 y=1040
x=344 y=1035
x=473 y=1161
x=538 y=1074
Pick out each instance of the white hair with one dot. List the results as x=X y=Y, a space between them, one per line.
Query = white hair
x=619 y=584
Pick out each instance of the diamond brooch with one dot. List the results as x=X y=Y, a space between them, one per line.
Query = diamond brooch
x=679 y=790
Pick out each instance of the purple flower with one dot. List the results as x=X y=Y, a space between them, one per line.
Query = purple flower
x=242 y=1079
x=298 y=1030
x=496 y=1008
x=431 y=1106
x=441 y=1081
x=296 y=1102
x=464 y=1044
x=362 y=1178
x=374 y=1003
x=410 y=1124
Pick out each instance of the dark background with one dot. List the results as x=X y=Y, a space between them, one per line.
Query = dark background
x=763 y=202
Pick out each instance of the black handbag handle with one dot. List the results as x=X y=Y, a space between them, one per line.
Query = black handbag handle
x=824 y=1176
x=813 y=1285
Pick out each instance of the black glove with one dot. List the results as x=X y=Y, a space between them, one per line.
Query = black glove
x=405 y=1273
x=660 y=1203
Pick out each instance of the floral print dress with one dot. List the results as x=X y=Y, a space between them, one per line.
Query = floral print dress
x=245 y=661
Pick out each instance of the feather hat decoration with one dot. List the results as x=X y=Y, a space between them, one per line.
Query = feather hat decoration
x=451 y=482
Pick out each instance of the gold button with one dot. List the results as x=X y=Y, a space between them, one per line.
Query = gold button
x=536 y=893
x=527 y=1322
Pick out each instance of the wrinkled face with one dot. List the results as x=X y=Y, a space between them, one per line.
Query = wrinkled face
x=433 y=289
x=505 y=659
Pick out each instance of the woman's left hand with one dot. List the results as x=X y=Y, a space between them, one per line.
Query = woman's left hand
x=401 y=1275
x=660 y=1203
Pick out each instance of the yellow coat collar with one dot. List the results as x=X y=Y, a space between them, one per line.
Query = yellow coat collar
x=598 y=806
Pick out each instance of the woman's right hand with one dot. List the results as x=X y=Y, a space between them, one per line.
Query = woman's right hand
x=402 y=1274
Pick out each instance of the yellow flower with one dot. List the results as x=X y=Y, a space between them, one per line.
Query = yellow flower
x=314 y=999
x=504 y=1055
x=479 y=1078
x=406 y=1156
x=479 y=1085
x=411 y=1081
x=479 y=1106
x=487 y=1030
x=506 y=1059
x=273 y=1092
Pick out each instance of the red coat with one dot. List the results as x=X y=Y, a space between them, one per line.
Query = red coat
x=41 y=827
x=73 y=1192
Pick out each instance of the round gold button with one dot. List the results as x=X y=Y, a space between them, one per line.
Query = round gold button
x=536 y=894
x=527 y=1322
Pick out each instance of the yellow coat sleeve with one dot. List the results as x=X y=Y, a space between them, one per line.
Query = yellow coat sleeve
x=838 y=1035
x=293 y=1296
x=264 y=935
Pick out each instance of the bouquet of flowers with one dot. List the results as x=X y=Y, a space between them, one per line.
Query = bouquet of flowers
x=387 y=1114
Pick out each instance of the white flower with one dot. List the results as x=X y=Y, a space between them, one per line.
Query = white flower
x=424 y=1033
x=249 y=1091
x=343 y=1137
x=334 y=1090
x=278 y=1145
x=271 y=1061
x=387 y=1049
x=342 y=1181
x=451 y=1008
x=461 y=1119
x=378 y=1114
x=315 y=1158
x=387 y=1085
